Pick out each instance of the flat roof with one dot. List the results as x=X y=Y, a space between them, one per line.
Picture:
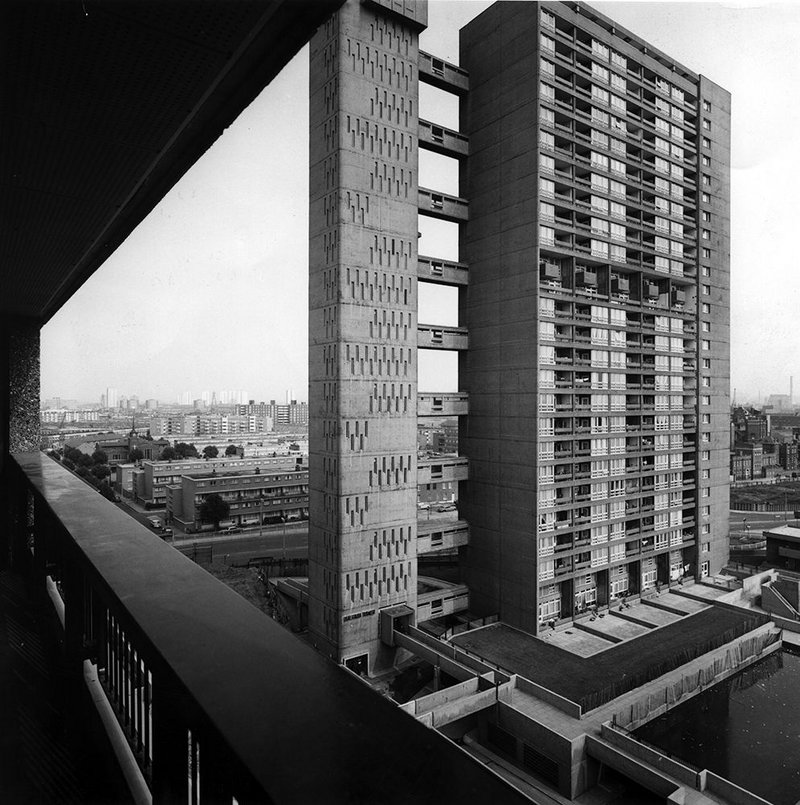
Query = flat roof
x=594 y=680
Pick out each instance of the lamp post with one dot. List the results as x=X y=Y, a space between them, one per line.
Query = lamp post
x=283 y=520
x=260 y=516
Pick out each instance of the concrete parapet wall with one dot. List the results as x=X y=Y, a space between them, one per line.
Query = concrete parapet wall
x=565 y=705
x=440 y=697
x=651 y=756
x=732 y=792
x=635 y=769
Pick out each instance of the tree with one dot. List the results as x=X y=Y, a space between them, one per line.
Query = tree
x=73 y=454
x=100 y=471
x=70 y=465
x=107 y=492
x=135 y=455
x=186 y=450
x=231 y=450
x=85 y=461
x=99 y=457
x=210 y=452
x=213 y=509
x=168 y=454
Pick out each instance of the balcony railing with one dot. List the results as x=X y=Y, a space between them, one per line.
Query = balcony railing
x=218 y=702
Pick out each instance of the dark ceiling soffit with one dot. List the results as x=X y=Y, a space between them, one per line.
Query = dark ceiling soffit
x=281 y=32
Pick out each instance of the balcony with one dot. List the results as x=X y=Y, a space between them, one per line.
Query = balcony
x=444 y=405
x=442 y=206
x=442 y=272
x=135 y=613
x=429 y=336
x=442 y=469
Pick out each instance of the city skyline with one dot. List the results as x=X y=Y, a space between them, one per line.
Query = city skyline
x=238 y=220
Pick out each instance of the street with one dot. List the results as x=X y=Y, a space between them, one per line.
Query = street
x=238 y=549
x=752 y=524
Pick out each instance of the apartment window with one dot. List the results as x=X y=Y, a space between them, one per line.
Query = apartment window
x=600 y=50
x=617 y=166
x=548 y=43
x=705 y=437
x=706 y=382
x=705 y=326
x=706 y=363
x=618 y=60
x=618 y=82
x=600 y=95
x=706 y=106
x=547 y=212
x=547 y=67
x=705 y=492
x=706 y=419
x=706 y=124
x=547 y=164
x=706 y=161
x=705 y=308
x=547 y=140
x=598 y=138
x=600 y=73
x=706 y=234
x=548 y=19
x=706 y=511
x=706 y=179
x=705 y=455
x=547 y=187
x=617 y=189
x=705 y=399
x=617 y=210
x=706 y=197
x=706 y=215
x=705 y=474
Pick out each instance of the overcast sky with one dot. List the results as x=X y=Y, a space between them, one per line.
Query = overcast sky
x=210 y=291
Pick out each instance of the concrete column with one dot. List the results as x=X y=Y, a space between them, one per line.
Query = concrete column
x=19 y=427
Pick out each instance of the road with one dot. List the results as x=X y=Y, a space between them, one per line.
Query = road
x=238 y=549
x=752 y=524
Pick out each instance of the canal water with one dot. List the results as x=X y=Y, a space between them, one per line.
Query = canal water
x=746 y=729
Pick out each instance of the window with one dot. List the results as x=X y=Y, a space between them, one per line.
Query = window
x=547 y=187
x=706 y=363
x=706 y=511
x=600 y=50
x=600 y=73
x=706 y=198
x=705 y=529
x=617 y=189
x=706 y=234
x=547 y=140
x=706 y=289
x=706 y=382
x=547 y=212
x=547 y=92
x=548 y=43
x=706 y=179
x=617 y=210
x=705 y=308
x=547 y=164
x=706 y=215
x=618 y=60
x=706 y=124
x=706 y=419
x=617 y=166
x=705 y=326
x=706 y=161
x=547 y=236
x=548 y=19
x=705 y=399
x=705 y=455
x=600 y=95
x=706 y=106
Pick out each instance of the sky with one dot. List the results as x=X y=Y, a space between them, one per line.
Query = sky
x=210 y=291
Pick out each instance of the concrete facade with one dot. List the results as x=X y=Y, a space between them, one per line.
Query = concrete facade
x=362 y=323
x=598 y=314
x=593 y=332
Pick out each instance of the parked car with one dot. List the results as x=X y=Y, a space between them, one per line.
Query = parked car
x=231 y=529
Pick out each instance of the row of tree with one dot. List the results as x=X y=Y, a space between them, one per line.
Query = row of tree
x=92 y=468
x=184 y=450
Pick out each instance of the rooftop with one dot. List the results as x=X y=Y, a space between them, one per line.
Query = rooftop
x=598 y=677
